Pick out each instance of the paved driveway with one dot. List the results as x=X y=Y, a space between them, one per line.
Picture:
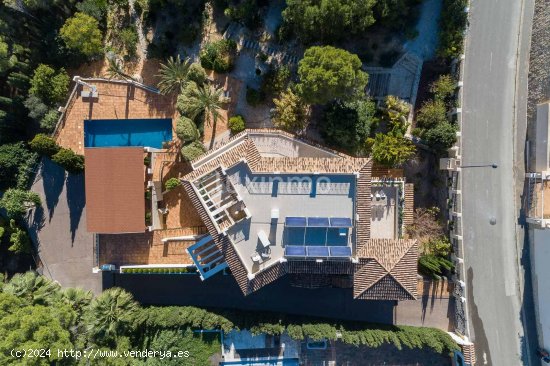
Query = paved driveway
x=65 y=248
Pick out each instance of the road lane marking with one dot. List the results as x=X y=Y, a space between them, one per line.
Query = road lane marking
x=491 y=62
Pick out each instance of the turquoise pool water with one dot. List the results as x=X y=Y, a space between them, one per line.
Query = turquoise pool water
x=127 y=132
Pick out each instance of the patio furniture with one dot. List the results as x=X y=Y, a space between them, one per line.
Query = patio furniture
x=274 y=213
x=265 y=255
x=262 y=236
x=383 y=195
x=256 y=258
x=377 y=195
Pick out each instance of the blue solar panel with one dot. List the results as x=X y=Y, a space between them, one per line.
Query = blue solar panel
x=296 y=251
x=318 y=221
x=340 y=251
x=295 y=221
x=340 y=222
x=317 y=251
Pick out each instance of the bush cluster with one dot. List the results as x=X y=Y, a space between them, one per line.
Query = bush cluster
x=192 y=151
x=219 y=55
x=452 y=24
x=172 y=183
x=159 y=270
x=236 y=124
x=68 y=159
x=186 y=130
x=432 y=123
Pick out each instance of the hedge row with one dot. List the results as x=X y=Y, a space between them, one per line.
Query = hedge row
x=68 y=159
x=299 y=328
x=160 y=270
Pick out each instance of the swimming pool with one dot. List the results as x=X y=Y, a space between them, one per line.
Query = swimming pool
x=127 y=132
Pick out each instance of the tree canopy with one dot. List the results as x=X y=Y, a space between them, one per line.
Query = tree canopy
x=347 y=124
x=81 y=33
x=327 y=21
x=328 y=73
x=391 y=150
x=49 y=85
x=17 y=201
x=291 y=112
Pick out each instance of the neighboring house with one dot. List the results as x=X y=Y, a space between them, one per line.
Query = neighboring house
x=538 y=217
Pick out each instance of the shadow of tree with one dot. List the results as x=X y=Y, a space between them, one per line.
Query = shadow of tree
x=76 y=200
x=53 y=179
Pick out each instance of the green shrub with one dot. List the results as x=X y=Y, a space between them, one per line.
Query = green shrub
x=192 y=151
x=441 y=137
x=186 y=130
x=49 y=121
x=275 y=80
x=236 y=124
x=433 y=265
x=129 y=39
x=254 y=96
x=148 y=218
x=431 y=114
x=196 y=73
x=172 y=183
x=73 y=163
x=44 y=145
x=219 y=55
x=452 y=24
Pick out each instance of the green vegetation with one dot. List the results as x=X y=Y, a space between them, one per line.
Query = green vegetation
x=391 y=150
x=327 y=21
x=49 y=85
x=44 y=145
x=432 y=113
x=16 y=202
x=218 y=56
x=328 y=73
x=81 y=33
x=172 y=183
x=236 y=124
x=291 y=113
x=36 y=313
x=275 y=81
x=160 y=270
x=49 y=121
x=16 y=163
x=186 y=130
x=201 y=101
x=129 y=39
x=452 y=24
x=192 y=151
x=173 y=75
x=432 y=122
x=347 y=125
x=246 y=12
x=73 y=163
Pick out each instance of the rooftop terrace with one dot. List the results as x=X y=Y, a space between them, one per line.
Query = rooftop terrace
x=290 y=195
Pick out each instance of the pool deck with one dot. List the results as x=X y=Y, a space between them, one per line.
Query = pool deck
x=115 y=101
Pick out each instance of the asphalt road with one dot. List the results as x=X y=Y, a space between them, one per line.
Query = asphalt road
x=494 y=122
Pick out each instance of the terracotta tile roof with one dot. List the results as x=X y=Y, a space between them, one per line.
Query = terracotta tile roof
x=327 y=267
x=310 y=165
x=387 y=270
x=363 y=206
x=408 y=212
x=115 y=188
x=267 y=276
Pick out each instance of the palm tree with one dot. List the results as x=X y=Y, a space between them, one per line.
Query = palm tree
x=116 y=70
x=173 y=75
x=76 y=298
x=112 y=313
x=205 y=100
x=34 y=288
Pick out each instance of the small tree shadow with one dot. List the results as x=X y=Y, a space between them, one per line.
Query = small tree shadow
x=53 y=179
x=76 y=201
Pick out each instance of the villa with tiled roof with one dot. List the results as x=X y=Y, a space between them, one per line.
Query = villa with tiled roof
x=275 y=205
